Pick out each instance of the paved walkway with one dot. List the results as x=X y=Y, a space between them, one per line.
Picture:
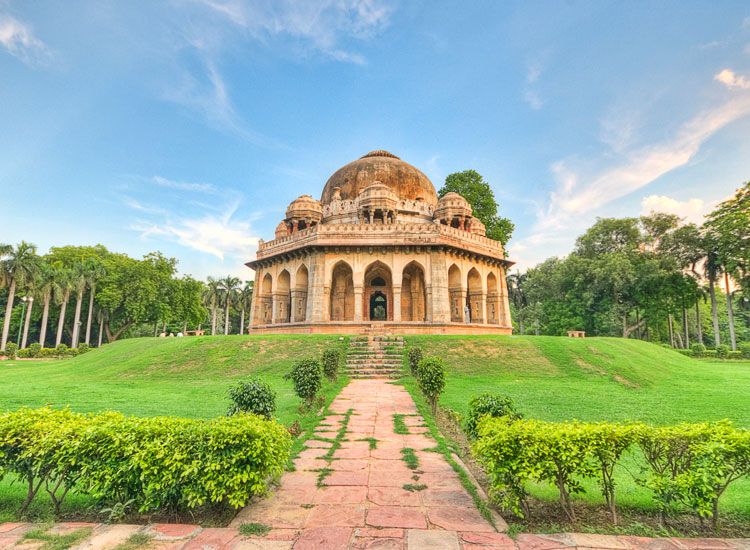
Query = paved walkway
x=359 y=484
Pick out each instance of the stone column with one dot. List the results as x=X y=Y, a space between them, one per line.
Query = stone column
x=439 y=305
x=457 y=303
x=493 y=308
x=396 y=304
x=299 y=305
x=316 y=299
x=476 y=304
x=358 y=303
x=254 y=301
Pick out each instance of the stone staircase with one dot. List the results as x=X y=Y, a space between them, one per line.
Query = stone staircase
x=375 y=355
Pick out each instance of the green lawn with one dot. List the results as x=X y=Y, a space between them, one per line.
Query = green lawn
x=597 y=379
x=186 y=377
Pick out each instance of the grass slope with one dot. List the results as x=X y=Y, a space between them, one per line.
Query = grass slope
x=592 y=379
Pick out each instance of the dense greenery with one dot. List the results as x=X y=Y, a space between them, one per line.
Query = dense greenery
x=252 y=396
x=111 y=296
x=307 y=377
x=688 y=465
x=490 y=404
x=431 y=379
x=331 y=361
x=415 y=356
x=159 y=463
x=471 y=186
x=647 y=278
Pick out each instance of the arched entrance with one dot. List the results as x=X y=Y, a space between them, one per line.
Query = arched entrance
x=342 y=293
x=283 y=298
x=378 y=306
x=475 y=297
x=266 y=300
x=378 y=292
x=413 y=293
x=456 y=294
x=299 y=295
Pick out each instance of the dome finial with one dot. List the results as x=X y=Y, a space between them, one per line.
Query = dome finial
x=380 y=153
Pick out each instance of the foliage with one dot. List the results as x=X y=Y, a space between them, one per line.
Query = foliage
x=744 y=349
x=415 y=356
x=11 y=350
x=722 y=351
x=331 y=361
x=490 y=404
x=161 y=463
x=35 y=349
x=253 y=396
x=471 y=186
x=699 y=350
x=729 y=223
x=431 y=379
x=307 y=379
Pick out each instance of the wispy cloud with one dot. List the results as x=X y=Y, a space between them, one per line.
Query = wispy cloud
x=19 y=40
x=183 y=185
x=732 y=80
x=691 y=210
x=530 y=94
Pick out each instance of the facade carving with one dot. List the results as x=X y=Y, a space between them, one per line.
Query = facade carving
x=380 y=247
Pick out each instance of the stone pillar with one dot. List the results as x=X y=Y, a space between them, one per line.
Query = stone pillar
x=281 y=307
x=316 y=298
x=493 y=308
x=438 y=299
x=266 y=309
x=476 y=304
x=358 y=303
x=299 y=305
x=457 y=303
x=396 y=304
x=254 y=301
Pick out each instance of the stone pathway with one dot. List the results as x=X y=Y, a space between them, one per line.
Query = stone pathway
x=348 y=491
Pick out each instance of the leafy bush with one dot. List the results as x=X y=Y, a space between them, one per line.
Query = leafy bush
x=160 y=463
x=11 y=350
x=744 y=349
x=34 y=349
x=61 y=349
x=253 y=396
x=307 y=379
x=685 y=465
x=331 y=361
x=699 y=350
x=83 y=348
x=415 y=356
x=23 y=353
x=493 y=405
x=431 y=379
x=722 y=351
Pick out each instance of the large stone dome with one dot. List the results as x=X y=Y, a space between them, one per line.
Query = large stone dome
x=406 y=181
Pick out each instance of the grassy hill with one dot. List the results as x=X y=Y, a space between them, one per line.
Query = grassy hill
x=592 y=379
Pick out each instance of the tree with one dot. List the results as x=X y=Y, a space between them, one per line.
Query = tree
x=48 y=286
x=471 y=186
x=18 y=267
x=230 y=287
x=186 y=304
x=212 y=297
x=93 y=274
x=65 y=282
x=78 y=283
x=245 y=302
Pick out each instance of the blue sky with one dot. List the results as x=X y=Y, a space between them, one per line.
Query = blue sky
x=187 y=126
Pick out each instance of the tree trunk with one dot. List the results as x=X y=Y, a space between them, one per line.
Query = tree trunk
x=714 y=312
x=213 y=320
x=101 y=332
x=91 y=314
x=685 y=327
x=45 y=317
x=226 y=320
x=26 y=325
x=698 y=322
x=77 y=320
x=8 y=313
x=113 y=336
x=625 y=326
x=730 y=313
x=671 y=330
x=242 y=321
x=61 y=321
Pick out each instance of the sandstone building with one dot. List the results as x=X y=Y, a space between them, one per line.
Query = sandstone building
x=380 y=248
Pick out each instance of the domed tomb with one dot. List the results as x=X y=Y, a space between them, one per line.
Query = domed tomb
x=406 y=181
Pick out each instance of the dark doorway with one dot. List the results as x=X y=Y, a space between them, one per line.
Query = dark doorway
x=378 y=307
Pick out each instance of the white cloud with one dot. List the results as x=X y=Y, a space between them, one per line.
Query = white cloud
x=732 y=80
x=19 y=40
x=183 y=185
x=692 y=210
x=530 y=95
x=217 y=235
x=532 y=98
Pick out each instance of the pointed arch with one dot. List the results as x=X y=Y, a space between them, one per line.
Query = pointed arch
x=413 y=293
x=378 y=292
x=265 y=300
x=456 y=294
x=493 y=299
x=475 y=296
x=299 y=294
x=282 y=298
x=342 y=292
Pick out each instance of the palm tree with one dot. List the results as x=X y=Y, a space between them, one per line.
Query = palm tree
x=94 y=274
x=31 y=291
x=65 y=280
x=48 y=286
x=19 y=266
x=712 y=270
x=517 y=296
x=245 y=303
x=230 y=287
x=78 y=283
x=211 y=298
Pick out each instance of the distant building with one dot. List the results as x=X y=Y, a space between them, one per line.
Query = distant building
x=380 y=248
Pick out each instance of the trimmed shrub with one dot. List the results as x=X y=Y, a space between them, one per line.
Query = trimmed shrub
x=699 y=350
x=307 y=379
x=415 y=356
x=722 y=351
x=331 y=361
x=23 y=353
x=83 y=348
x=34 y=349
x=253 y=396
x=11 y=350
x=744 y=349
x=493 y=405
x=160 y=463
x=431 y=379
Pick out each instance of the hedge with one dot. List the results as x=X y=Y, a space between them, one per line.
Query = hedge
x=160 y=463
x=687 y=465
